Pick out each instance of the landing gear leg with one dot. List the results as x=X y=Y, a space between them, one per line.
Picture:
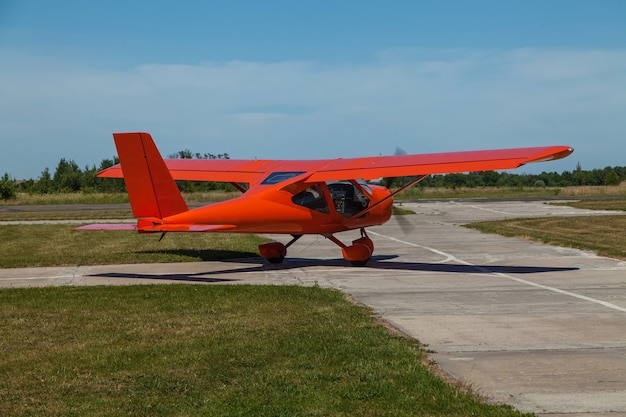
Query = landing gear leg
x=360 y=252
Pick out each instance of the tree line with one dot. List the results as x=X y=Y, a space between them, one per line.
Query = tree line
x=605 y=176
x=68 y=177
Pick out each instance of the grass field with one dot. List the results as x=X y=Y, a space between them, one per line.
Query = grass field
x=196 y=350
x=218 y=350
x=55 y=245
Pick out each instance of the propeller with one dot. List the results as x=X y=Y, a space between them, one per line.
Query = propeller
x=405 y=224
x=387 y=181
x=404 y=221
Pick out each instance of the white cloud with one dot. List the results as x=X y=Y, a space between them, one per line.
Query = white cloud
x=422 y=101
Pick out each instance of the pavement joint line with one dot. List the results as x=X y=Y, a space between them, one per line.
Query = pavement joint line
x=556 y=347
x=560 y=291
x=507 y=276
x=483 y=208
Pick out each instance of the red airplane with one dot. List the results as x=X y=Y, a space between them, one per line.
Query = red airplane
x=295 y=197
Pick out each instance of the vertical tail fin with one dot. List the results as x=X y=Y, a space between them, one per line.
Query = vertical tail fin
x=151 y=189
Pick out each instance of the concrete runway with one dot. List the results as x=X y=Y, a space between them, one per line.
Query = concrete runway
x=539 y=327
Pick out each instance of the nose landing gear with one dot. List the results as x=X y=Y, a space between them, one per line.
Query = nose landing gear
x=359 y=253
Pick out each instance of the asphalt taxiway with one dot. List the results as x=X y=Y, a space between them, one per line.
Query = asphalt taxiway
x=539 y=327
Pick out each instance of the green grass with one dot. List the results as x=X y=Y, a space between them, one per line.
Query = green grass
x=54 y=245
x=196 y=350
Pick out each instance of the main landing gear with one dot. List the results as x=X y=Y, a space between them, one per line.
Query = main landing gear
x=275 y=252
x=358 y=253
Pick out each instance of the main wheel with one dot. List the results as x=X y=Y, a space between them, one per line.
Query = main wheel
x=274 y=252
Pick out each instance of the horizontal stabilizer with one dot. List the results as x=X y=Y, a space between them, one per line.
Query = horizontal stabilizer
x=187 y=228
x=158 y=228
x=108 y=226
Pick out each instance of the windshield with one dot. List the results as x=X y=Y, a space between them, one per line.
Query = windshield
x=347 y=198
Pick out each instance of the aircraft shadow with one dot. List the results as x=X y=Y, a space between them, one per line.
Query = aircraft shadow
x=383 y=262
x=380 y=262
x=200 y=277
x=201 y=254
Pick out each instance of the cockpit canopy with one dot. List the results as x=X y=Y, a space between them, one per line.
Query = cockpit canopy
x=348 y=200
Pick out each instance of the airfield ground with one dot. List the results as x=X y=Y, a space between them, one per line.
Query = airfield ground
x=539 y=327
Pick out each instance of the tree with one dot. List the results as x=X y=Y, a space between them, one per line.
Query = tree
x=184 y=154
x=44 y=185
x=192 y=186
x=7 y=187
x=108 y=185
x=611 y=178
x=67 y=177
x=187 y=154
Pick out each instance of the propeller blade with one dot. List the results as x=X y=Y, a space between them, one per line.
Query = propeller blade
x=406 y=226
x=389 y=180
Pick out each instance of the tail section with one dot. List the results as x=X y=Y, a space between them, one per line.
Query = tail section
x=151 y=189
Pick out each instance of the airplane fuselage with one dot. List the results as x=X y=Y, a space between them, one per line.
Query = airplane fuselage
x=318 y=208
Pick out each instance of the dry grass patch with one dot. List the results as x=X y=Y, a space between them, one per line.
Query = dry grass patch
x=66 y=215
x=605 y=235
x=618 y=204
x=107 y=198
x=514 y=192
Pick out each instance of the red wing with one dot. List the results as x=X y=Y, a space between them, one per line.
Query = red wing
x=223 y=170
x=436 y=163
x=254 y=171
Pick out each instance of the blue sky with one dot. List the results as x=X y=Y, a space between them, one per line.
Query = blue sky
x=304 y=79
